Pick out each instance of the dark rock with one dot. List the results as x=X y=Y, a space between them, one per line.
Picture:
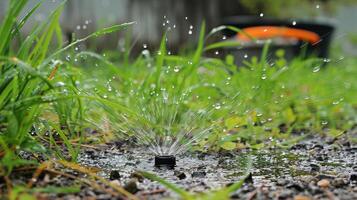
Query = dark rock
x=353 y=177
x=249 y=178
x=298 y=146
x=324 y=176
x=314 y=167
x=296 y=186
x=198 y=174
x=114 y=175
x=180 y=175
x=320 y=158
x=118 y=144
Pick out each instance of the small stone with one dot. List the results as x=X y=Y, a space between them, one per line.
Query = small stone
x=249 y=178
x=301 y=197
x=314 y=167
x=114 y=175
x=296 y=186
x=180 y=175
x=138 y=176
x=353 y=177
x=339 y=182
x=198 y=174
x=282 y=182
x=131 y=186
x=323 y=183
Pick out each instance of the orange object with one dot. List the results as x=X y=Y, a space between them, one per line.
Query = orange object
x=266 y=32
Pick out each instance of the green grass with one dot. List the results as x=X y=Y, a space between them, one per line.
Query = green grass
x=48 y=101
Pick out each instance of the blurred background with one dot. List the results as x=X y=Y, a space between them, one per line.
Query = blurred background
x=182 y=18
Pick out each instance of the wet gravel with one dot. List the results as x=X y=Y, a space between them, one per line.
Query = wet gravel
x=315 y=168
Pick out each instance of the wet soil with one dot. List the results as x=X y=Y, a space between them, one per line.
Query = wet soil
x=315 y=168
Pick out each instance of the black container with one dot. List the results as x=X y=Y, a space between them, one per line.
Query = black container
x=165 y=162
x=320 y=49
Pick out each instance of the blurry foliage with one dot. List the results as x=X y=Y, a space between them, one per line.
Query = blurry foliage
x=294 y=8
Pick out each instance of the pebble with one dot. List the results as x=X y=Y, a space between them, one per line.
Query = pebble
x=137 y=176
x=114 y=175
x=314 y=167
x=323 y=183
x=198 y=174
x=180 y=175
x=301 y=197
x=296 y=186
x=339 y=182
x=353 y=177
x=132 y=186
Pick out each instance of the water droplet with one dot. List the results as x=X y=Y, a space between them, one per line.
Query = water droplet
x=145 y=46
x=60 y=84
x=245 y=55
x=191 y=27
x=261 y=14
x=105 y=96
x=294 y=23
x=324 y=122
x=217 y=106
x=186 y=18
x=224 y=37
x=316 y=69
x=78 y=27
x=317 y=6
x=264 y=76
x=217 y=52
x=84 y=27
x=146 y=52
x=326 y=60
x=176 y=69
x=190 y=32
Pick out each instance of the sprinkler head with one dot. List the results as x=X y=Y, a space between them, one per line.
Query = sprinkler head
x=165 y=162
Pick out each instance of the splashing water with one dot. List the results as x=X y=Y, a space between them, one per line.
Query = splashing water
x=166 y=126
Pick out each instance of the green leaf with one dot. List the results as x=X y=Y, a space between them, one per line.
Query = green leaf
x=229 y=146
